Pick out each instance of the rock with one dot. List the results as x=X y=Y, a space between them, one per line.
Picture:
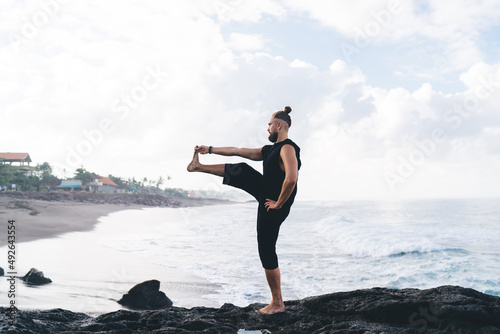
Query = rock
x=146 y=296
x=1 y=271
x=36 y=277
x=20 y=199
x=447 y=309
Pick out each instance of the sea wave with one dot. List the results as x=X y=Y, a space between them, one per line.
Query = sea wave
x=345 y=236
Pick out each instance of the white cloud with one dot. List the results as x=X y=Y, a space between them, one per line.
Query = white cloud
x=93 y=57
x=297 y=63
x=446 y=30
x=245 y=42
x=241 y=10
x=346 y=17
x=400 y=131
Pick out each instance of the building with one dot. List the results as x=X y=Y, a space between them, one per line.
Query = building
x=103 y=184
x=21 y=161
x=21 y=158
x=70 y=185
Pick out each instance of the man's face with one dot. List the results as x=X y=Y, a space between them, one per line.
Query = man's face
x=273 y=130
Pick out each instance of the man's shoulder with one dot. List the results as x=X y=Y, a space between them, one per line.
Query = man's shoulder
x=290 y=142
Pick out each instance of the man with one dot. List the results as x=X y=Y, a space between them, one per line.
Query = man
x=275 y=190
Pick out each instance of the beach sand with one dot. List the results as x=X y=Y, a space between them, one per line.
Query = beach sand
x=41 y=219
x=37 y=219
x=44 y=223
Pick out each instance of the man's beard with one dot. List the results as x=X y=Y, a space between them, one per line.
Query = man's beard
x=273 y=137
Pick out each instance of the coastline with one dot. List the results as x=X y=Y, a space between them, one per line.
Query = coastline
x=47 y=215
x=45 y=224
x=445 y=309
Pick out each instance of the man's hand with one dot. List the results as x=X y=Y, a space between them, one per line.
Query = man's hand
x=202 y=149
x=271 y=205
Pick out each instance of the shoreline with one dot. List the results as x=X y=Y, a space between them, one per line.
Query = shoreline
x=445 y=309
x=44 y=225
x=47 y=215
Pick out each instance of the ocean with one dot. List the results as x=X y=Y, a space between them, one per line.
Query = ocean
x=207 y=256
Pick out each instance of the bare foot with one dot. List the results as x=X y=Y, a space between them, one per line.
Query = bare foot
x=272 y=309
x=194 y=165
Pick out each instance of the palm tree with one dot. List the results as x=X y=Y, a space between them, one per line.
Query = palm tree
x=159 y=182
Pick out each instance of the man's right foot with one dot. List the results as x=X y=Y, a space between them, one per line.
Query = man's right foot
x=194 y=165
x=272 y=309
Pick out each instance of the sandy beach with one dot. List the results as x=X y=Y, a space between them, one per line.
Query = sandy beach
x=46 y=224
x=45 y=215
x=37 y=219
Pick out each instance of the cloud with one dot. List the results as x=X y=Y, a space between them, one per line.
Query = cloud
x=130 y=90
x=297 y=63
x=447 y=32
x=342 y=16
x=245 y=42
x=241 y=10
x=414 y=136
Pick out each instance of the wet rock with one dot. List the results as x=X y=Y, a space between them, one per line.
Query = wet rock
x=36 y=277
x=447 y=309
x=146 y=296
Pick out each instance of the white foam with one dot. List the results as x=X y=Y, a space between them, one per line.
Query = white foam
x=344 y=237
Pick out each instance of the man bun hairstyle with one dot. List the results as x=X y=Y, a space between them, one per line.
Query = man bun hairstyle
x=284 y=115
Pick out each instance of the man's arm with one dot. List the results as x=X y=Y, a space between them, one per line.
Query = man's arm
x=290 y=163
x=248 y=153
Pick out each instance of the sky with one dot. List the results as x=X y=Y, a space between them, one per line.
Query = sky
x=391 y=99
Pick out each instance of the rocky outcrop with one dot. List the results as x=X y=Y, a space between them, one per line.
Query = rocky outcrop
x=446 y=309
x=146 y=296
x=36 y=277
x=103 y=198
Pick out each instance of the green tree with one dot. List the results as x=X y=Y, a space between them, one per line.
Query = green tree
x=44 y=173
x=83 y=175
x=121 y=183
x=134 y=183
x=22 y=181
x=176 y=192
x=143 y=184
x=5 y=174
x=159 y=182
x=44 y=170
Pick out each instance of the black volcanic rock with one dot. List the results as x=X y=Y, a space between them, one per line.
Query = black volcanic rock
x=146 y=296
x=36 y=277
x=446 y=309
x=20 y=199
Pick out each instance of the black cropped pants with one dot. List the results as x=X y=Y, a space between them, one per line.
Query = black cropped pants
x=244 y=177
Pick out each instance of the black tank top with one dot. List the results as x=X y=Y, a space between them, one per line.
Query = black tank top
x=273 y=175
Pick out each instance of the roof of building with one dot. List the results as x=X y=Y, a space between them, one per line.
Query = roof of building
x=107 y=180
x=70 y=184
x=15 y=157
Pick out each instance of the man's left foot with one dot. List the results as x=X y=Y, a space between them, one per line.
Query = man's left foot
x=194 y=165
x=271 y=309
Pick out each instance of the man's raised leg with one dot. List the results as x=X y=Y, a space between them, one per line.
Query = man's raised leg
x=196 y=166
